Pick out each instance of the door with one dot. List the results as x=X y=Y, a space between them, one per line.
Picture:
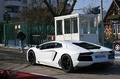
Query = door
x=46 y=53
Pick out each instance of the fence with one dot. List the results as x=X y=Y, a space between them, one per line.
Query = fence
x=10 y=32
x=34 y=34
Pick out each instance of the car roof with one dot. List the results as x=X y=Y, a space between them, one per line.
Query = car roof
x=64 y=41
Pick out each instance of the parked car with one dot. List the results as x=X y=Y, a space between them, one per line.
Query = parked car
x=68 y=55
x=10 y=74
x=116 y=45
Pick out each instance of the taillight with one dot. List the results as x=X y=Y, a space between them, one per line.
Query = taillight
x=85 y=56
x=87 y=53
x=111 y=55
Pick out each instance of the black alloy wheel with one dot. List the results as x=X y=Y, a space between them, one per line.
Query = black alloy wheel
x=66 y=63
x=31 y=57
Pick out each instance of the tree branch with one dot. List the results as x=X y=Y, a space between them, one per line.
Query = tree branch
x=63 y=8
x=72 y=7
x=49 y=8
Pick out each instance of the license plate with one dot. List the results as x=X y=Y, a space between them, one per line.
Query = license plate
x=100 y=56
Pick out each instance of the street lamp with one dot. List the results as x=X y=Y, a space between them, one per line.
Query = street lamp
x=101 y=22
x=6 y=17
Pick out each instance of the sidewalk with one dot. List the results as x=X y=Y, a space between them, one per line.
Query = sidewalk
x=12 y=48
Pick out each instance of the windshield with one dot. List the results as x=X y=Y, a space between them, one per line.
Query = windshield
x=87 y=45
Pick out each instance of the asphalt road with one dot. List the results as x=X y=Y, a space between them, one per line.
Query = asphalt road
x=12 y=59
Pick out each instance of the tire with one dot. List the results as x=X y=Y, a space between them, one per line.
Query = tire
x=117 y=47
x=31 y=57
x=66 y=63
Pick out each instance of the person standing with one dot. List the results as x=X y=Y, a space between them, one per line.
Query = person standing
x=21 y=37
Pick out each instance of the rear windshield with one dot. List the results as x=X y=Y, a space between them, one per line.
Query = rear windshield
x=87 y=45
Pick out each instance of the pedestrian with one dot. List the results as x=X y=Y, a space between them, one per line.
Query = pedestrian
x=21 y=37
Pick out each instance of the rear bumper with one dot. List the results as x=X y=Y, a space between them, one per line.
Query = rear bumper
x=94 y=63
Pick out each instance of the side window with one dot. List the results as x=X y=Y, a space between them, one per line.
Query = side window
x=50 y=46
x=58 y=45
x=45 y=46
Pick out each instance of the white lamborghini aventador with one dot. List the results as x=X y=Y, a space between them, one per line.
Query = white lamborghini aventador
x=68 y=55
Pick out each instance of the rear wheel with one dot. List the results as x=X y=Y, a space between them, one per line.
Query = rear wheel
x=117 y=47
x=66 y=63
x=31 y=57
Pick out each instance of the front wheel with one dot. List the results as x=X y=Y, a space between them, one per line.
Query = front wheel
x=66 y=63
x=31 y=57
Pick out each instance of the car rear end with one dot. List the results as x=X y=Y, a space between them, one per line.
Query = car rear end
x=98 y=57
x=94 y=55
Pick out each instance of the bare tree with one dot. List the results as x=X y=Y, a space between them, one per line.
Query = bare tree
x=63 y=9
x=43 y=16
x=38 y=15
x=91 y=10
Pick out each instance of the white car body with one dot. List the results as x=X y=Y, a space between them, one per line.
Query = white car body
x=80 y=56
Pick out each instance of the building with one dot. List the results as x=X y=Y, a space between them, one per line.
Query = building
x=14 y=7
x=2 y=10
x=82 y=27
x=112 y=22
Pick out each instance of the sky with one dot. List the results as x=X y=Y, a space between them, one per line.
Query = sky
x=86 y=3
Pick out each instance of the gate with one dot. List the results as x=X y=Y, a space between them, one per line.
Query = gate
x=10 y=33
x=34 y=34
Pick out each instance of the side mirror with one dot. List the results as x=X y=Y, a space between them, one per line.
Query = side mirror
x=37 y=46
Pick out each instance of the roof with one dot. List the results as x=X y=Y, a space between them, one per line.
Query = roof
x=114 y=17
x=118 y=3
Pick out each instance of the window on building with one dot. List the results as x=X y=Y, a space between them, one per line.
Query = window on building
x=116 y=28
x=59 y=27
x=13 y=9
x=24 y=8
x=24 y=1
x=33 y=1
x=88 y=25
x=93 y=26
x=74 y=25
x=84 y=25
x=12 y=0
x=67 y=26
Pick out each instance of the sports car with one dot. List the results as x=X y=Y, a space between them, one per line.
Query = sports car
x=70 y=55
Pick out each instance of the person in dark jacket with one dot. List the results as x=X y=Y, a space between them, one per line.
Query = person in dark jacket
x=21 y=37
